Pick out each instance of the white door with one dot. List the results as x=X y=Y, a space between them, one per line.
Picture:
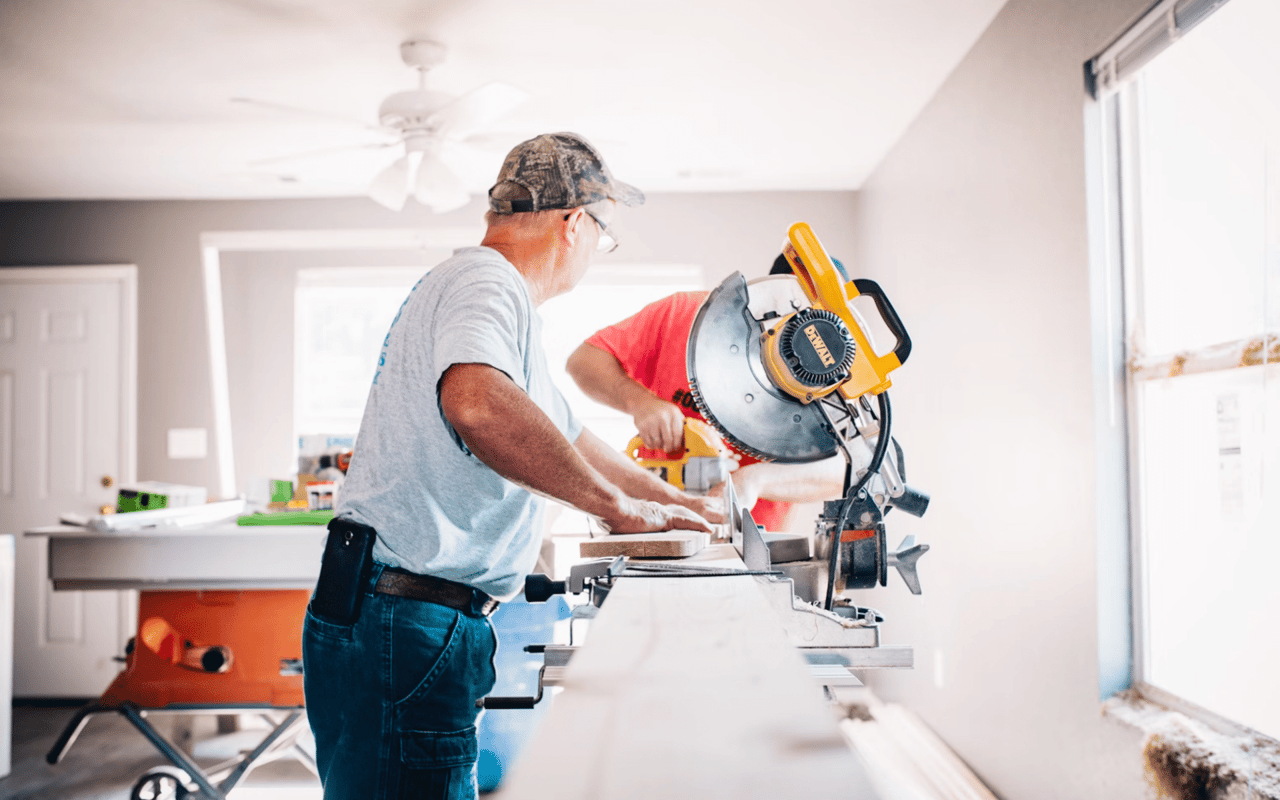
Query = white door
x=67 y=403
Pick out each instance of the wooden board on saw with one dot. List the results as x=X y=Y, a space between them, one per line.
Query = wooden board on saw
x=668 y=544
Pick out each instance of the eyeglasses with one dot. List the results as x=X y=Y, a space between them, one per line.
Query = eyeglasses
x=608 y=242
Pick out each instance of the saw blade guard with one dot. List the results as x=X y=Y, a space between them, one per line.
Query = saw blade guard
x=731 y=385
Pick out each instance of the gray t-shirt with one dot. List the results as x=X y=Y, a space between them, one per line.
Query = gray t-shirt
x=438 y=509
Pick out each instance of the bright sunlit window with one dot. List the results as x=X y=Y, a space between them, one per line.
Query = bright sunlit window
x=343 y=316
x=1199 y=133
x=341 y=319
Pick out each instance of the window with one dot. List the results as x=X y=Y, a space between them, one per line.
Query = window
x=343 y=316
x=1196 y=132
x=603 y=298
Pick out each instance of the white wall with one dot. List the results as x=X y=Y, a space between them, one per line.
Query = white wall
x=975 y=224
x=721 y=232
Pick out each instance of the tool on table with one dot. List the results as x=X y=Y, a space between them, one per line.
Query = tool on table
x=152 y=495
x=703 y=464
x=222 y=651
x=219 y=652
x=783 y=367
x=162 y=518
x=835 y=641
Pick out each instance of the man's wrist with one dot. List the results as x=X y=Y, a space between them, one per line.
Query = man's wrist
x=610 y=505
x=639 y=400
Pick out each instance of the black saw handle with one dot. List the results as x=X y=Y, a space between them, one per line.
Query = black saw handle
x=888 y=314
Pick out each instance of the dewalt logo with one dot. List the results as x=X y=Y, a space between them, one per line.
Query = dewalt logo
x=819 y=346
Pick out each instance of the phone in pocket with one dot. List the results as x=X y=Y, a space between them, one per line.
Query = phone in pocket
x=344 y=570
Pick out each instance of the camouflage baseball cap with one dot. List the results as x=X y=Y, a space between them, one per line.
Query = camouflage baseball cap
x=560 y=170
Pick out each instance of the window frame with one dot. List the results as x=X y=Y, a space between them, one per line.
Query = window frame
x=1117 y=163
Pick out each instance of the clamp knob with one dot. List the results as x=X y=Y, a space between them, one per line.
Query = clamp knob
x=538 y=588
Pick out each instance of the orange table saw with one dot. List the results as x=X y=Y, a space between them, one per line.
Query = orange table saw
x=220 y=609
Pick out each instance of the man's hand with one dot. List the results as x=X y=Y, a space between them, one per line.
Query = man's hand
x=647 y=516
x=661 y=424
x=642 y=484
x=710 y=507
x=601 y=377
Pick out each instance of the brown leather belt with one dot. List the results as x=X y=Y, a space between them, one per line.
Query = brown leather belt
x=402 y=583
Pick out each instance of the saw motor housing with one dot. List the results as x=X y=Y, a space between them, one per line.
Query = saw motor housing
x=812 y=352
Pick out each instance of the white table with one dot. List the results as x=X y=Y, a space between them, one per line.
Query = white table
x=215 y=556
x=686 y=687
x=218 y=556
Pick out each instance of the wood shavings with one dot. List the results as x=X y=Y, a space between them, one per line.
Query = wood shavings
x=1188 y=760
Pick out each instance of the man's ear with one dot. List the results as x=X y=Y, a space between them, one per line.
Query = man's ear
x=572 y=227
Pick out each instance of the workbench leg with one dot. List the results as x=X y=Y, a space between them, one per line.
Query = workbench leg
x=179 y=759
x=72 y=731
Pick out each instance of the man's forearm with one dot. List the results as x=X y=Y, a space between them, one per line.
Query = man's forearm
x=798 y=483
x=600 y=377
x=509 y=433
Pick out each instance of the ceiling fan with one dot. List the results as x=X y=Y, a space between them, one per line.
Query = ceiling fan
x=428 y=124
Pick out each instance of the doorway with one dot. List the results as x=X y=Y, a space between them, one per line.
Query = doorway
x=68 y=411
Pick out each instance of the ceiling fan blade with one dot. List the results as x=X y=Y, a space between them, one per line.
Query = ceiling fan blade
x=437 y=187
x=478 y=107
x=391 y=186
x=322 y=152
x=313 y=113
x=490 y=140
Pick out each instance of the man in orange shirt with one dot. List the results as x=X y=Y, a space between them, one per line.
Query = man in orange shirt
x=638 y=367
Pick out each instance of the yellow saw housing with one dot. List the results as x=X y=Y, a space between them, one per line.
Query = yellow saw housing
x=813 y=352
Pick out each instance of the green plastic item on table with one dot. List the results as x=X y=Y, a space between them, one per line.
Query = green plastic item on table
x=319 y=517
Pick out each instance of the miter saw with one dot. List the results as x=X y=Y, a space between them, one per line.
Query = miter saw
x=784 y=369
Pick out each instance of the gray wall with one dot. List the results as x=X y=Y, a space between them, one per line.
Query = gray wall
x=721 y=232
x=975 y=224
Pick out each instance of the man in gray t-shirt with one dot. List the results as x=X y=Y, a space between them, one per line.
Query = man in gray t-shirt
x=463 y=436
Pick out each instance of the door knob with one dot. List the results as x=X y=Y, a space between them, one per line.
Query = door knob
x=108 y=481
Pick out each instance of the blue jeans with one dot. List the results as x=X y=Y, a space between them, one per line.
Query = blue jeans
x=392 y=698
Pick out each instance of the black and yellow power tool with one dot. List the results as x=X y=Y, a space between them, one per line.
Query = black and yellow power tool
x=785 y=369
x=702 y=465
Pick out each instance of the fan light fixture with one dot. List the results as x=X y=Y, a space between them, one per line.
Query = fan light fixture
x=432 y=126
x=427 y=119
x=422 y=173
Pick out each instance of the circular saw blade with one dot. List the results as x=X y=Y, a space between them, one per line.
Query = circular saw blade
x=732 y=390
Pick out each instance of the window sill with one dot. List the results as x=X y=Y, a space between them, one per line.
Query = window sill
x=1188 y=759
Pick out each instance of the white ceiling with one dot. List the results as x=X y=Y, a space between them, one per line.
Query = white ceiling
x=131 y=99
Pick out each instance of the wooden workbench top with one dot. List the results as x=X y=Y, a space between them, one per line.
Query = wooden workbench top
x=686 y=688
